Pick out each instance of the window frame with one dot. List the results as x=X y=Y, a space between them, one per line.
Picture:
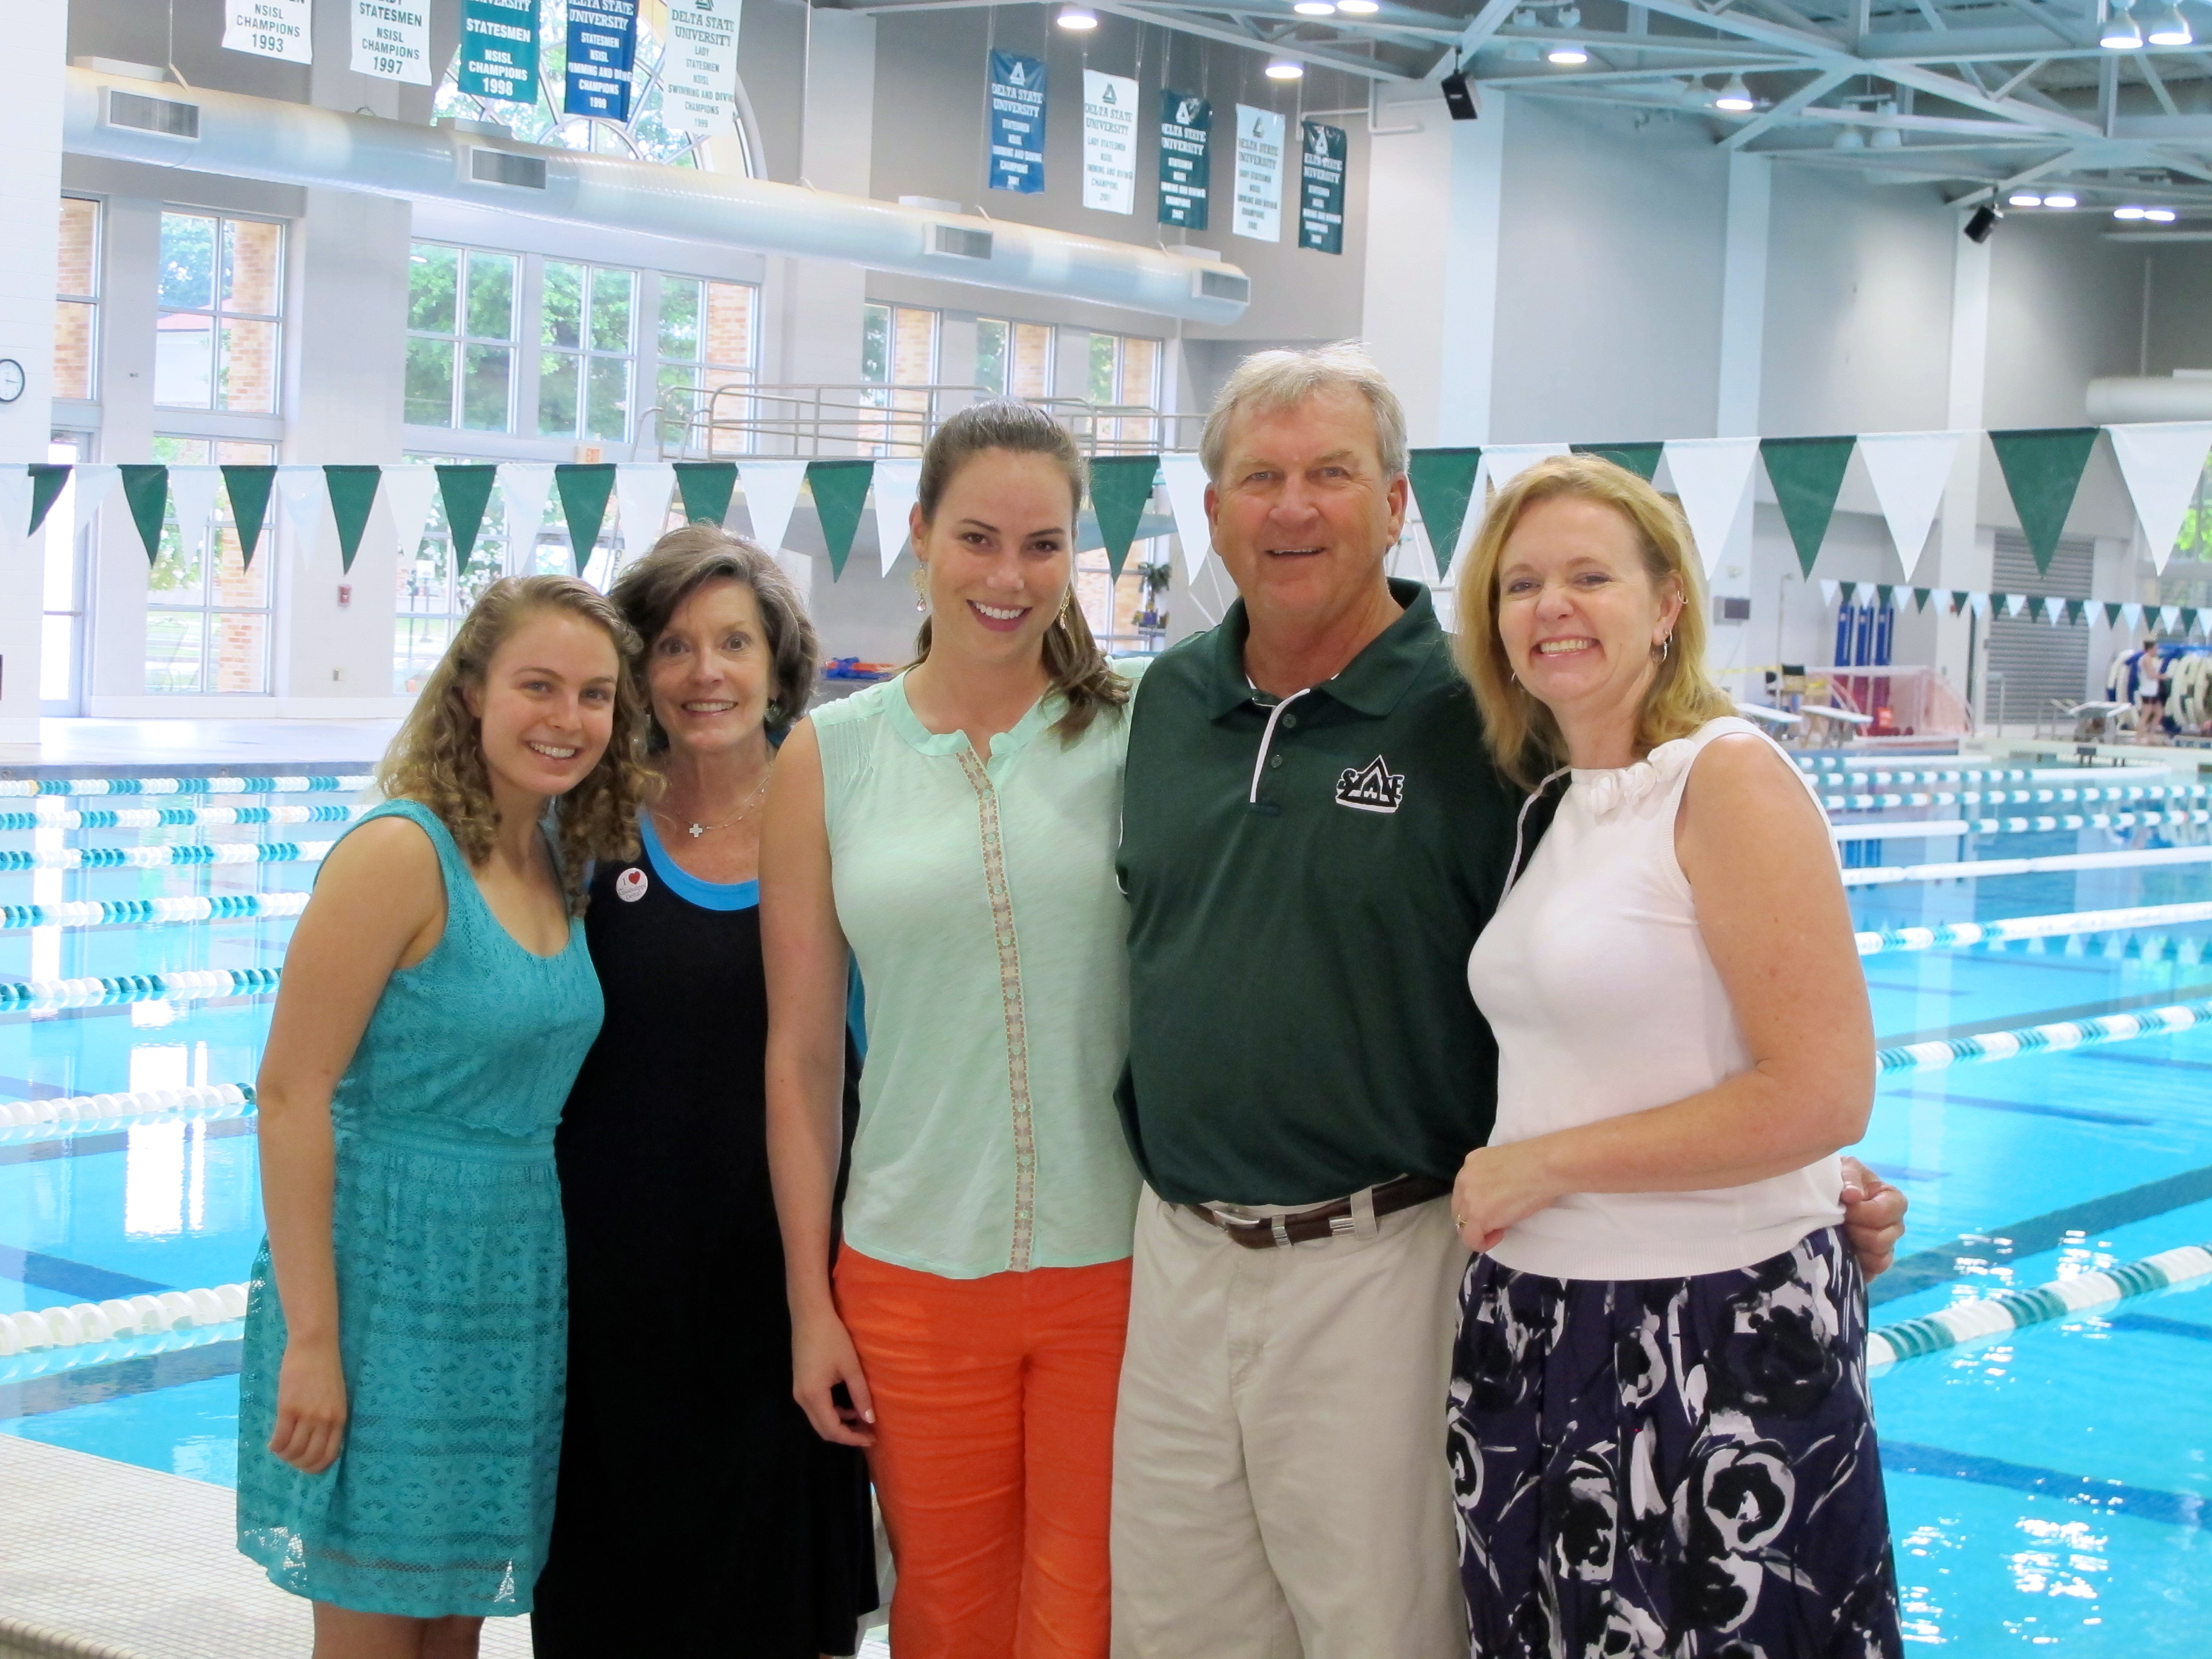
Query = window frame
x=216 y=312
x=209 y=606
x=93 y=302
x=461 y=339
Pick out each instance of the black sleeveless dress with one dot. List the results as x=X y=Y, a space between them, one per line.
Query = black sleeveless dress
x=698 y=1513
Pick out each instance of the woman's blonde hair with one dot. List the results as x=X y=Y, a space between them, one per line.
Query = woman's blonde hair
x=1524 y=739
x=437 y=758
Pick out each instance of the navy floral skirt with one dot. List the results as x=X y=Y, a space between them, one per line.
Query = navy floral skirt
x=1671 y=1468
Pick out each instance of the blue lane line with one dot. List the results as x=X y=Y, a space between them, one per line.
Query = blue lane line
x=2155 y=1325
x=2175 y=1509
x=2028 y=1108
x=76 y=1279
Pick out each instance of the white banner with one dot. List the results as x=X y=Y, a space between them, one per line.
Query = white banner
x=524 y=486
x=898 y=486
x=305 y=494
x=771 y=497
x=2162 y=464
x=1259 y=174
x=1710 y=476
x=391 y=40
x=406 y=493
x=1186 y=482
x=193 y=491
x=642 y=493
x=1909 y=470
x=91 y=482
x=699 y=69
x=1502 y=464
x=270 y=28
x=1109 y=142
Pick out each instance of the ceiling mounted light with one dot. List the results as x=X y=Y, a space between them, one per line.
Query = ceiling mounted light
x=2062 y=199
x=1886 y=138
x=2159 y=215
x=1850 y=139
x=1569 y=17
x=2023 y=199
x=1982 y=222
x=1077 y=18
x=1735 y=97
x=1566 y=51
x=2120 y=32
x=2130 y=213
x=1285 y=68
x=2171 y=29
x=1316 y=8
x=1357 y=8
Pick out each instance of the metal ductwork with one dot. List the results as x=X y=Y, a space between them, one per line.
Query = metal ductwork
x=2118 y=399
x=246 y=137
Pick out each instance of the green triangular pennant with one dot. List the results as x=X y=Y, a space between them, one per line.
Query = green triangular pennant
x=1959 y=600
x=1444 y=483
x=1887 y=593
x=466 y=491
x=248 y=488
x=2043 y=469
x=1806 y=473
x=47 y=479
x=1920 y=598
x=353 y=492
x=1642 y=459
x=584 y=487
x=840 y=489
x=147 y=490
x=1120 y=486
x=2188 y=619
x=2112 y=613
x=2074 y=609
x=2035 y=604
x=706 y=487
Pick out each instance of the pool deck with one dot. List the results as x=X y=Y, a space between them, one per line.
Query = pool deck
x=105 y=1560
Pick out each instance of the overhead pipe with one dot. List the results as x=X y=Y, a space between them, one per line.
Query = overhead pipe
x=2119 y=398
x=124 y=119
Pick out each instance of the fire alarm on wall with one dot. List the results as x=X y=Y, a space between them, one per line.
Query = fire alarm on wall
x=345 y=596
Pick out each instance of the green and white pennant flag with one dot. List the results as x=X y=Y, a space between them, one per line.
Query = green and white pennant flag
x=1186 y=480
x=1909 y=470
x=404 y=502
x=897 y=487
x=524 y=487
x=771 y=497
x=641 y=492
x=193 y=490
x=15 y=491
x=305 y=496
x=2163 y=464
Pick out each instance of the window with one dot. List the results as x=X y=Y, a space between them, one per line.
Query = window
x=76 y=299
x=1013 y=360
x=706 y=343
x=207 y=610
x=1124 y=370
x=434 y=596
x=220 y=293
x=898 y=351
x=460 y=337
x=587 y=316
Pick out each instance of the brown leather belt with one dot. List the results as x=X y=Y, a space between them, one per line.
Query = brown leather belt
x=1268 y=1232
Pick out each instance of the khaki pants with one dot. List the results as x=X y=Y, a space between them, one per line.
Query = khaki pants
x=1281 y=1489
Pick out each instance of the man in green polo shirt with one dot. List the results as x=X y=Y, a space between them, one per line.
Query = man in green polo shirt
x=1312 y=837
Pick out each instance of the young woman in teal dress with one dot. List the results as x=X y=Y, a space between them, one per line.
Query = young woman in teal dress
x=399 y=1413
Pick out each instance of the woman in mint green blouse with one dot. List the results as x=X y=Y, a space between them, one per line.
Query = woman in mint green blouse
x=954 y=830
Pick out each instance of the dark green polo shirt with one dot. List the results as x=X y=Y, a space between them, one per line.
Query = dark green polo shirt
x=1300 y=1020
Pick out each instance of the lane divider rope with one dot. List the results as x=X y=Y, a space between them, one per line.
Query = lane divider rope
x=1923 y=829
x=1937 y=1056
x=2065 y=924
x=26 y=1120
x=158 y=818
x=17 y=788
x=2133 y=792
x=214 y=906
x=1993 y=1315
x=96 y=1325
x=190 y=985
x=156 y=858
x=1980 y=869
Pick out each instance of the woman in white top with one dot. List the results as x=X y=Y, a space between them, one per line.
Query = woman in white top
x=1661 y=1433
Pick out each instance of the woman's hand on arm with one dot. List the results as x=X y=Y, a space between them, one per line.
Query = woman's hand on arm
x=379 y=901
x=1771 y=911
x=803 y=952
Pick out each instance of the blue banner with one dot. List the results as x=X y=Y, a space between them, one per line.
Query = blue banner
x=602 y=48
x=499 y=50
x=1017 y=123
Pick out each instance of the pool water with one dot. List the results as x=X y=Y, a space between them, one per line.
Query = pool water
x=2050 y=1490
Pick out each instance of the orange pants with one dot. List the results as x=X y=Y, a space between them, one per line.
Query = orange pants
x=993 y=1458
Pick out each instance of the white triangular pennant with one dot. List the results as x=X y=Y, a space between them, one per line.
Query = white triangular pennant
x=2169 y=618
x=15 y=488
x=897 y=483
x=2015 y=604
x=2162 y=462
x=405 y=493
x=304 y=494
x=192 y=489
x=1978 y=603
x=2131 y=615
x=1909 y=470
x=771 y=496
x=1711 y=477
x=642 y=493
x=92 y=481
x=1185 y=474
x=524 y=489
x=1828 y=592
x=2054 y=610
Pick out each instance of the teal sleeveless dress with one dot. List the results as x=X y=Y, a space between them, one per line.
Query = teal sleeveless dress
x=452 y=1290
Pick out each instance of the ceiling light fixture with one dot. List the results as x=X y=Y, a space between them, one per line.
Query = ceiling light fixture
x=1077 y=18
x=1850 y=139
x=2062 y=199
x=1566 y=51
x=1285 y=68
x=2159 y=215
x=1569 y=17
x=2023 y=199
x=2171 y=29
x=1316 y=8
x=1886 y=138
x=1735 y=97
x=2130 y=213
x=2120 y=32
x=1357 y=8
x=1983 y=221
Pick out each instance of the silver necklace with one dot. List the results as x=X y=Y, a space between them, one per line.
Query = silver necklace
x=694 y=830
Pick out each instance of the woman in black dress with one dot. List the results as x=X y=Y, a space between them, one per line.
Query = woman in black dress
x=698 y=1512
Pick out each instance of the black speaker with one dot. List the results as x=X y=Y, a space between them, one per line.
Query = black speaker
x=1983 y=221
x=1459 y=97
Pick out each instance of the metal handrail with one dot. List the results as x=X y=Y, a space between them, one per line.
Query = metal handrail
x=858 y=418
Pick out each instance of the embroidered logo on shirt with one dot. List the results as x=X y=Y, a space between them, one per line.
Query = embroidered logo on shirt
x=630 y=886
x=1373 y=788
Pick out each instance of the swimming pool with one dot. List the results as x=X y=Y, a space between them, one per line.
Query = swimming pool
x=2052 y=1489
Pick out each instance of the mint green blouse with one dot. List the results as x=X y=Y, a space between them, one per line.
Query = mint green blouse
x=981 y=904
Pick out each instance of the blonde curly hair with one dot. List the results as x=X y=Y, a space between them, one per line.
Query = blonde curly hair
x=437 y=758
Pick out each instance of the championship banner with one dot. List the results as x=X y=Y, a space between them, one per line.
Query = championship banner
x=499 y=50
x=1017 y=123
x=1186 y=164
x=391 y=40
x=1321 y=203
x=270 y=28
x=602 y=48
x=1109 y=142
x=699 y=70
x=1259 y=174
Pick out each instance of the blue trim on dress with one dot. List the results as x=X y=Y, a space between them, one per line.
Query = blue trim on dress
x=707 y=895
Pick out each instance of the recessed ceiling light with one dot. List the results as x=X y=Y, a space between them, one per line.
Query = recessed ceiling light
x=2023 y=199
x=2159 y=215
x=1566 y=51
x=1077 y=18
x=2130 y=213
x=1285 y=68
x=1357 y=8
x=1316 y=8
x=1735 y=97
x=2062 y=199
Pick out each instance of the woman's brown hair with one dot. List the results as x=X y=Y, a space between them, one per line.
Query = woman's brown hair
x=684 y=560
x=1078 y=669
x=437 y=758
x=1524 y=739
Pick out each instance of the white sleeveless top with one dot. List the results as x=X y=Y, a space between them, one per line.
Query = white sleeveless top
x=1597 y=980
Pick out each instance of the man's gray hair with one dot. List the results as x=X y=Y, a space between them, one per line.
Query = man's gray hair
x=1268 y=381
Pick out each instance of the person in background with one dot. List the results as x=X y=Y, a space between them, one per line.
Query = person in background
x=399 y=1400
x=1661 y=1432
x=701 y=1515
x=953 y=829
